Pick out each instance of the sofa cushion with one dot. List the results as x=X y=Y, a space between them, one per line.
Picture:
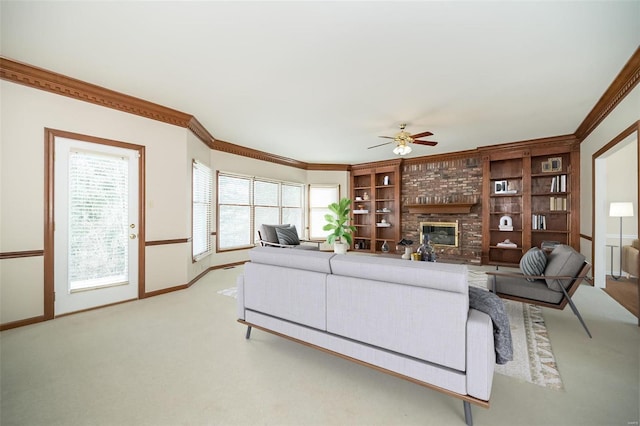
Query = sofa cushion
x=288 y=236
x=309 y=260
x=516 y=286
x=533 y=263
x=268 y=232
x=563 y=261
x=440 y=276
x=421 y=322
x=291 y=294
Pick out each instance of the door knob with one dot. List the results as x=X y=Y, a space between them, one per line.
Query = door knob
x=133 y=236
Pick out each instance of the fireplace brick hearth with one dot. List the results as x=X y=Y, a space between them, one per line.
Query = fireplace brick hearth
x=442 y=181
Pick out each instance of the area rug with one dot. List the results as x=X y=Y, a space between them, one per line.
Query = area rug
x=533 y=359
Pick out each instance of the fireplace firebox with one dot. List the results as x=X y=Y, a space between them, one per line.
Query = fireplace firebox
x=440 y=233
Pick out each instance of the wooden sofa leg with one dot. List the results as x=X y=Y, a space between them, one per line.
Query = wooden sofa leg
x=248 y=335
x=467 y=413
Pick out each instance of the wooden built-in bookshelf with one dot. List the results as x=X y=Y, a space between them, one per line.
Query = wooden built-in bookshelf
x=375 y=191
x=538 y=188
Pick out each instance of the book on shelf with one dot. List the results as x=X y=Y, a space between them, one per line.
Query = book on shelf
x=538 y=222
x=559 y=183
x=557 y=203
x=507 y=244
x=360 y=211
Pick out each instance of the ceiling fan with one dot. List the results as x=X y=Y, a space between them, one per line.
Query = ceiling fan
x=403 y=139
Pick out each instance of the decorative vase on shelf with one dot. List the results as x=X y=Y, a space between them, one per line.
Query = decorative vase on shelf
x=427 y=254
x=385 y=247
x=407 y=253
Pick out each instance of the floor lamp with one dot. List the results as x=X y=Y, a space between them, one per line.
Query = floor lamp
x=620 y=210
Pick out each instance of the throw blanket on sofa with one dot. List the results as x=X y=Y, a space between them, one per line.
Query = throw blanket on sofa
x=490 y=304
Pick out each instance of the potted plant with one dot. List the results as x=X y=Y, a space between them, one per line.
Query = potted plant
x=337 y=224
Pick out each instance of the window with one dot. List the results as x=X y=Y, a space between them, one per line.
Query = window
x=201 y=221
x=320 y=196
x=245 y=203
x=98 y=219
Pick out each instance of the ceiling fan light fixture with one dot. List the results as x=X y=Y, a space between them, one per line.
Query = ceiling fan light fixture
x=402 y=149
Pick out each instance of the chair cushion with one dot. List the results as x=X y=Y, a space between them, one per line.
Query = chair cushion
x=563 y=260
x=288 y=236
x=268 y=232
x=533 y=263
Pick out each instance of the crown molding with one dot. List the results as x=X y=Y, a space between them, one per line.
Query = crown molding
x=396 y=162
x=59 y=84
x=41 y=79
x=542 y=143
x=329 y=167
x=201 y=133
x=622 y=85
x=232 y=148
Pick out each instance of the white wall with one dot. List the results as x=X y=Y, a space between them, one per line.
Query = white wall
x=169 y=151
x=624 y=115
x=24 y=114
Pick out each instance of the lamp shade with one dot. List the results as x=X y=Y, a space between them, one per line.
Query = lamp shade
x=621 y=209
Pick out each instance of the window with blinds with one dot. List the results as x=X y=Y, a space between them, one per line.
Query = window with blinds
x=201 y=220
x=245 y=203
x=320 y=196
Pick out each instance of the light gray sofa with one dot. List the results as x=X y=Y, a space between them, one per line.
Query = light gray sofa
x=409 y=319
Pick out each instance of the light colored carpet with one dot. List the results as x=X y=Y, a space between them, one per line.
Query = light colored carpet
x=182 y=359
x=533 y=359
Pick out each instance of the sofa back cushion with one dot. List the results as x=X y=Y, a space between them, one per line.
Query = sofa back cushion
x=440 y=276
x=563 y=261
x=308 y=260
x=291 y=294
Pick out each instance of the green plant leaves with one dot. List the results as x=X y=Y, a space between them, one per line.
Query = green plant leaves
x=337 y=222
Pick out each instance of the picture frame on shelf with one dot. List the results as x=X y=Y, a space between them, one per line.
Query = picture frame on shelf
x=552 y=165
x=500 y=187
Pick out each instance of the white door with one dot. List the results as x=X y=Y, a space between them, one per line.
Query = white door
x=96 y=225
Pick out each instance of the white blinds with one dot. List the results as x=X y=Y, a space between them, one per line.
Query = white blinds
x=245 y=203
x=201 y=222
x=98 y=222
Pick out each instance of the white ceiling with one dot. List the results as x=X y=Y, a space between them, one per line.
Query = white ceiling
x=319 y=81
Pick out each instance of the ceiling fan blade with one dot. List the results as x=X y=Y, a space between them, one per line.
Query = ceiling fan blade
x=375 y=146
x=421 y=135
x=430 y=143
x=386 y=137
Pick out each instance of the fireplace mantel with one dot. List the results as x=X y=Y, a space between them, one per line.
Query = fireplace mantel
x=440 y=208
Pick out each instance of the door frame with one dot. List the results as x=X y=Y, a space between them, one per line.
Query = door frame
x=49 y=169
x=598 y=254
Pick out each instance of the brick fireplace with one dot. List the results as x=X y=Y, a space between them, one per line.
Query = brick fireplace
x=439 y=182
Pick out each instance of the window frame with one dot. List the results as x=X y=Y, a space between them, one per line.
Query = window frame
x=252 y=206
x=324 y=209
